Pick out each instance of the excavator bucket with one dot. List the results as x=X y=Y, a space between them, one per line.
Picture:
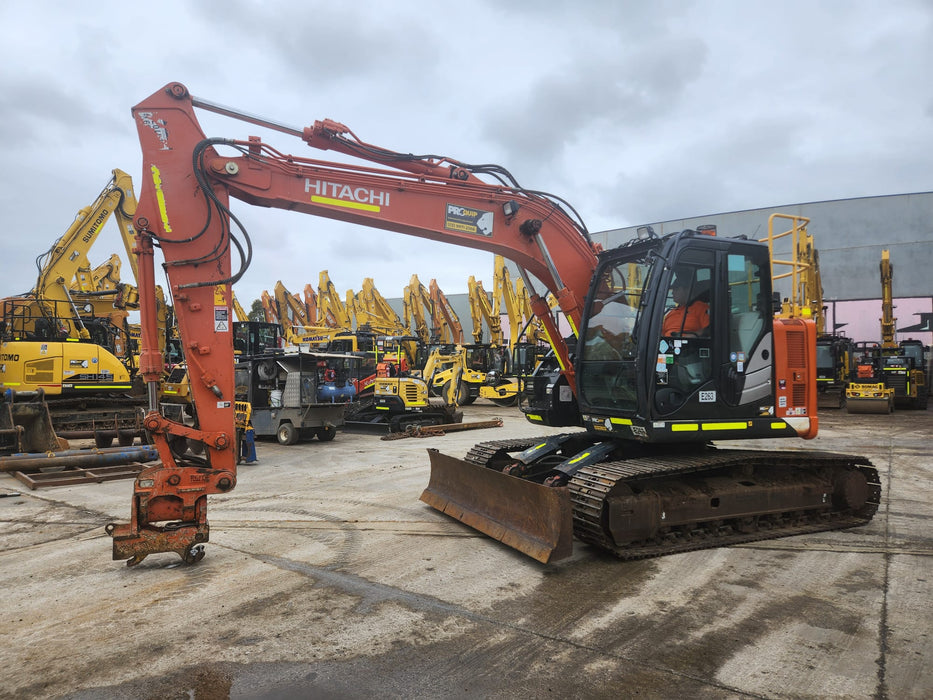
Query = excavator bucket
x=534 y=519
x=26 y=427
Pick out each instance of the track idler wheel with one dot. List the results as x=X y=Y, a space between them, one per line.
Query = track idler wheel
x=850 y=490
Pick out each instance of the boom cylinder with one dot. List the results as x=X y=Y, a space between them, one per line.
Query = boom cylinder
x=151 y=361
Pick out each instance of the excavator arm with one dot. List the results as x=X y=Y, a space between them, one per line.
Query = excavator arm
x=238 y=310
x=888 y=321
x=292 y=312
x=269 y=309
x=376 y=312
x=509 y=300
x=310 y=302
x=416 y=300
x=448 y=321
x=482 y=311
x=534 y=328
x=60 y=264
x=331 y=309
x=184 y=209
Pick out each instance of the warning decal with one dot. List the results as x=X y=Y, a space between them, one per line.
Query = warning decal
x=221 y=319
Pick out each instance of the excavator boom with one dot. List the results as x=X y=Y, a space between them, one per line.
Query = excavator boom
x=184 y=209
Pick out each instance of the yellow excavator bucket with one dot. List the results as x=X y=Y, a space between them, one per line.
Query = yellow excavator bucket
x=534 y=519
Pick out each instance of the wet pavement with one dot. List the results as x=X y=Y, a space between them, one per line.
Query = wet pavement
x=325 y=576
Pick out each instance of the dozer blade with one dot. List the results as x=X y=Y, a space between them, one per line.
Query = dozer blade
x=534 y=519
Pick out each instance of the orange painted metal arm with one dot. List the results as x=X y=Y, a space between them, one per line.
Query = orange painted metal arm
x=186 y=188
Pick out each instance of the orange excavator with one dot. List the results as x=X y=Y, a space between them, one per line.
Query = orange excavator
x=642 y=478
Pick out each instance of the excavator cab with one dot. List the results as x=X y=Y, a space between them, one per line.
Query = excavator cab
x=694 y=340
x=674 y=329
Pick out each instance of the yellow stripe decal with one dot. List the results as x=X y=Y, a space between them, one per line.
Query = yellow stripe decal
x=621 y=421
x=102 y=386
x=532 y=416
x=583 y=456
x=684 y=427
x=344 y=203
x=725 y=426
x=778 y=426
x=160 y=197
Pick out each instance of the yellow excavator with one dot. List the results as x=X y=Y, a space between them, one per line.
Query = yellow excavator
x=505 y=382
x=416 y=299
x=890 y=374
x=443 y=364
x=373 y=310
x=470 y=362
x=298 y=328
x=55 y=339
x=482 y=357
x=70 y=342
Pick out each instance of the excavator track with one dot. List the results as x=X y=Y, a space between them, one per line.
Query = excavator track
x=593 y=488
x=649 y=506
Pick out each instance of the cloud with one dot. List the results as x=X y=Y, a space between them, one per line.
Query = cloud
x=326 y=45
x=634 y=112
x=611 y=89
x=44 y=113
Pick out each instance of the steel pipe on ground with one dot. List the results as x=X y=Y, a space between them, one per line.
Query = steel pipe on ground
x=79 y=458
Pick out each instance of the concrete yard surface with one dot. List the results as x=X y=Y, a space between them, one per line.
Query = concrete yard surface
x=326 y=576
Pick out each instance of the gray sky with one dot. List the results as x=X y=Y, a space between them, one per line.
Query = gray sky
x=634 y=112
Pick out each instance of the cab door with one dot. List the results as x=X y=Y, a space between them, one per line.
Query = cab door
x=725 y=367
x=746 y=369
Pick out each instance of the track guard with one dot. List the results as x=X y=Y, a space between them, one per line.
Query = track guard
x=534 y=519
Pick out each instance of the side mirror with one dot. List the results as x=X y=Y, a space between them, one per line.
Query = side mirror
x=776 y=305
